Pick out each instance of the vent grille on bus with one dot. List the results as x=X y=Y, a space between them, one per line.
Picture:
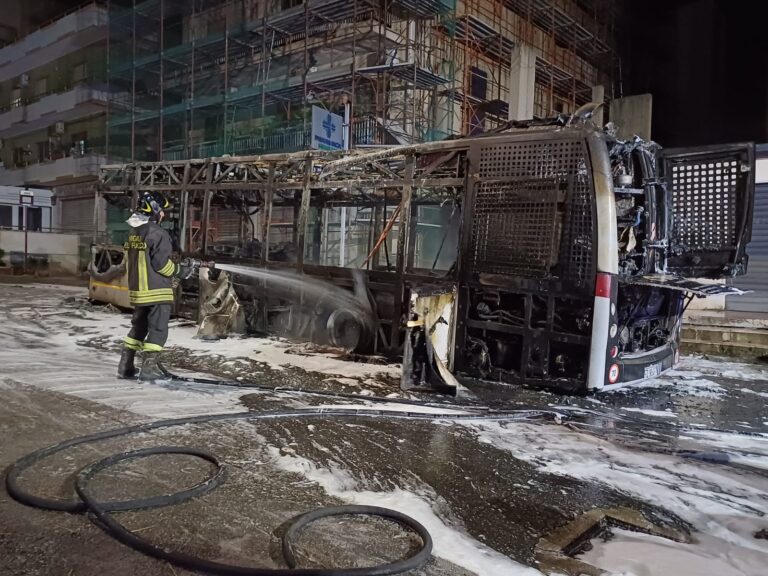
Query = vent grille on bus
x=533 y=213
x=704 y=202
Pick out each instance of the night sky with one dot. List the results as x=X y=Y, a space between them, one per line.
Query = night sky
x=706 y=64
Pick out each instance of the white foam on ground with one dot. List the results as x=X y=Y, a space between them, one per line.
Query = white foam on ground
x=395 y=407
x=755 y=392
x=729 y=441
x=63 y=366
x=645 y=555
x=724 y=367
x=271 y=351
x=451 y=542
x=717 y=500
x=276 y=354
x=657 y=413
x=678 y=384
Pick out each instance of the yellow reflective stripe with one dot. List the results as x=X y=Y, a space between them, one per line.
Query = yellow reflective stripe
x=105 y=285
x=144 y=294
x=149 y=347
x=141 y=293
x=132 y=343
x=168 y=269
x=150 y=296
x=153 y=300
x=142 y=257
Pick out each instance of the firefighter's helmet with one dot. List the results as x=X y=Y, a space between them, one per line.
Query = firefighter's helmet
x=152 y=204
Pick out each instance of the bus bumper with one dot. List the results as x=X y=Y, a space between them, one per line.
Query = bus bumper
x=645 y=366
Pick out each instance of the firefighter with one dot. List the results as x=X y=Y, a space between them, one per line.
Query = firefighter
x=150 y=271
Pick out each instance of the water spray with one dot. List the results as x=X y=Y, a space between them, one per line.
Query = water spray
x=350 y=322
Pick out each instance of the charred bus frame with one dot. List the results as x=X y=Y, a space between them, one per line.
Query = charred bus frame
x=574 y=252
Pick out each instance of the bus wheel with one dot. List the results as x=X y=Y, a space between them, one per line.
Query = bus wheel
x=346 y=331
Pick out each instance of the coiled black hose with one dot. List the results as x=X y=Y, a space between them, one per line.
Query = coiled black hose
x=101 y=510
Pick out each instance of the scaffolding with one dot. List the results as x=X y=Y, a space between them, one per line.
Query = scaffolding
x=203 y=78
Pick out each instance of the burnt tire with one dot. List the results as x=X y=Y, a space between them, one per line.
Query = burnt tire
x=350 y=331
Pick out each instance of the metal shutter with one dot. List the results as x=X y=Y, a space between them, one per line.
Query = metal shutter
x=756 y=278
x=228 y=225
x=77 y=215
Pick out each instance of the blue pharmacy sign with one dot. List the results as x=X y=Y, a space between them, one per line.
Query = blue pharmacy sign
x=327 y=130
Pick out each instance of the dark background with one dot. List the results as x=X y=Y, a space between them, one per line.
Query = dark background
x=706 y=64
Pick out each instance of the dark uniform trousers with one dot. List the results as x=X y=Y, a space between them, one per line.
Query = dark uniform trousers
x=149 y=328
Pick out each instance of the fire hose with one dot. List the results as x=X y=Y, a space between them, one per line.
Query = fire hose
x=102 y=511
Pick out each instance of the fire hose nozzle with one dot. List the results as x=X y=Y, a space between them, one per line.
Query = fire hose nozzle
x=196 y=263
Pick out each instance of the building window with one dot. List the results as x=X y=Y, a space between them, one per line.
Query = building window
x=15 y=97
x=44 y=150
x=41 y=87
x=79 y=144
x=6 y=217
x=20 y=157
x=80 y=72
x=34 y=219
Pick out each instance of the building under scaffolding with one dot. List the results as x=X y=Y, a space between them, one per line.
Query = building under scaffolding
x=203 y=78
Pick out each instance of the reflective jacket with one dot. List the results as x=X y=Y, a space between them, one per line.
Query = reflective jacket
x=150 y=268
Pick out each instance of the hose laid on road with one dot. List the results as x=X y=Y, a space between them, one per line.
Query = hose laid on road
x=101 y=510
x=464 y=405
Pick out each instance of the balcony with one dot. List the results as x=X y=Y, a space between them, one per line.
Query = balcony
x=54 y=172
x=77 y=103
x=73 y=32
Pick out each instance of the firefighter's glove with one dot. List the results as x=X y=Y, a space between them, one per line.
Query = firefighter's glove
x=187 y=268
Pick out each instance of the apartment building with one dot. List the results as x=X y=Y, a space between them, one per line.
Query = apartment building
x=213 y=77
x=53 y=103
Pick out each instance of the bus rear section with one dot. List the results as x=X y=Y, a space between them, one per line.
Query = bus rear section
x=579 y=255
x=683 y=224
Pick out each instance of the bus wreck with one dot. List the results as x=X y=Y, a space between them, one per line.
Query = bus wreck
x=549 y=256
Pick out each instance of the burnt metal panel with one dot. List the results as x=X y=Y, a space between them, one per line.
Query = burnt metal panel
x=529 y=238
x=534 y=212
x=711 y=200
x=513 y=230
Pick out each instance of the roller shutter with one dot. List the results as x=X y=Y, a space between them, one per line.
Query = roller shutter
x=756 y=278
x=77 y=215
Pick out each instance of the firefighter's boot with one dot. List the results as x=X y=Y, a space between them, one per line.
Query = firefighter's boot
x=151 y=368
x=126 y=368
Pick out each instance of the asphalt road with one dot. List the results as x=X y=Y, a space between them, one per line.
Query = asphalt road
x=686 y=452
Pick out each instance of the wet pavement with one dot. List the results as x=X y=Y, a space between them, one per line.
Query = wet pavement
x=688 y=451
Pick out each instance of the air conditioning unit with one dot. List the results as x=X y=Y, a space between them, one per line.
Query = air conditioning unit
x=58 y=128
x=24 y=80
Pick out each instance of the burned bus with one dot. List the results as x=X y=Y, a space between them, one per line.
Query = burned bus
x=549 y=256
